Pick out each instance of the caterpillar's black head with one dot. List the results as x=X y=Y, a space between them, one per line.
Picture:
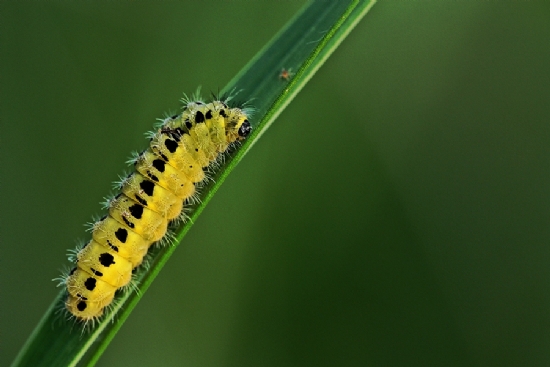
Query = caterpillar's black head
x=245 y=129
x=237 y=125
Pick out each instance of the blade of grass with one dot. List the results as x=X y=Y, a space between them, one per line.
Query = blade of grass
x=303 y=45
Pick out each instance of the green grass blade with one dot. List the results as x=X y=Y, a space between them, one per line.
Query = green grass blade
x=301 y=46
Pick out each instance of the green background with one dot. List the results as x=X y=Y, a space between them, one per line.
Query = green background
x=396 y=214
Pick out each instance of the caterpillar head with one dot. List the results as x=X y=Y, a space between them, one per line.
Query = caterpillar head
x=238 y=127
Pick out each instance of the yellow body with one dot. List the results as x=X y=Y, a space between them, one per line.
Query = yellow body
x=84 y=309
x=88 y=287
x=153 y=196
x=171 y=150
x=150 y=198
x=147 y=223
x=125 y=242
x=105 y=264
x=164 y=174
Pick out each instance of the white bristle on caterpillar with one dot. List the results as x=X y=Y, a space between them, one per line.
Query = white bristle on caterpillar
x=183 y=150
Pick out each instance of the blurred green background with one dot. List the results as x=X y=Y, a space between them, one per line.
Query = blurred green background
x=396 y=214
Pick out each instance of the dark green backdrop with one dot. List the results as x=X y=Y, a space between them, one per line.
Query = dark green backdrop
x=396 y=214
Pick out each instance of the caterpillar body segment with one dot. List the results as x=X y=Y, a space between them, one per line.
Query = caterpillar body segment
x=181 y=151
x=146 y=222
x=168 y=145
x=165 y=174
x=99 y=261
x=81 y=284
x=85 y=310
x=152 y=196
x=127 y=243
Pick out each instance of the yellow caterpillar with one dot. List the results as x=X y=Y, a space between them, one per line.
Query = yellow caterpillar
x=165 y=177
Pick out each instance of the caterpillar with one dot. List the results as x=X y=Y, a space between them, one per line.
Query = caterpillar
x=182 y=150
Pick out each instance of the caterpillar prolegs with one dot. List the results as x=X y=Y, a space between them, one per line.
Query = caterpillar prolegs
x=181 y=150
